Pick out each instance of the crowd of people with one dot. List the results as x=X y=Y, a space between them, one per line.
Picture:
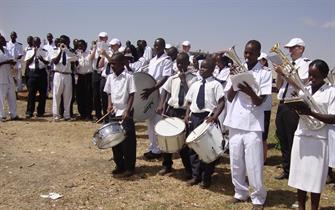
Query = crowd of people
x=194 y=88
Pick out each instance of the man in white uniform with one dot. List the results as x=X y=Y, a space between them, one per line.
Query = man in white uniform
x=16 y=51
x=286 y=119
x=7 y=87
x=245 y=121
x=62 y=85
x=160 y=68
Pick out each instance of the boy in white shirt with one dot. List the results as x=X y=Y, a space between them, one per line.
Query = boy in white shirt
x=245 y=121
x=204 y=96
x=175 y=88
x=120 y=88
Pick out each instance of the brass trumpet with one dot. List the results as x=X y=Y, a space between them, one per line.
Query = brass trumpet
x=231 y=53
x=291 y=73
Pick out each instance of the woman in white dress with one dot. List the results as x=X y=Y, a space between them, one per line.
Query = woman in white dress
x=309 y=156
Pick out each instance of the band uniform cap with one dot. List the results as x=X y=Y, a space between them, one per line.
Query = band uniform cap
x=114 y=42
x=263 y=55
x=103 y=34
x=295 y=42
x=186 y=43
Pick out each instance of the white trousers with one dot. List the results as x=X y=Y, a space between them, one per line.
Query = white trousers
x=246 y=159
x=62 y=85
x=7 y=91
x=153 y=146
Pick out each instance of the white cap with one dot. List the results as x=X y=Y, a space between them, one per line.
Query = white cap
x=168 y=45
x=103 y=34
x=294 y=42
x=263 y=55
x=186 y=43
x=114 y=42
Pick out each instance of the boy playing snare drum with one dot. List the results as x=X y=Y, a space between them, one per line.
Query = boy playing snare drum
x=120 y=88
x=204 y=97
x=175 y=88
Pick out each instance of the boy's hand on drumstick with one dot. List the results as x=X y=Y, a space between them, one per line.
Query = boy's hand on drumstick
x=110 y=108
x=211 y=119
x=125 y=115
x=159 y=110
x=186 y=119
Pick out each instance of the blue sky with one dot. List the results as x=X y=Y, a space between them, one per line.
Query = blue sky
x=210 y=25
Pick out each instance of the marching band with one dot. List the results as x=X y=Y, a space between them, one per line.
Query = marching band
x=194 y=105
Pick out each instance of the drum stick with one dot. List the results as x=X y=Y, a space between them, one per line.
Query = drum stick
x=164 y=115
x=103 y=117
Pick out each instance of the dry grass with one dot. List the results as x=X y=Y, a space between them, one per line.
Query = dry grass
x=40 y=156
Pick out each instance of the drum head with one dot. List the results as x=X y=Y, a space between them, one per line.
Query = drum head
x=171 y=126
x=197 y=132
x=144 y=109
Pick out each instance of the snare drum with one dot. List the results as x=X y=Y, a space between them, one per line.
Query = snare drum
x=171 y=134
x=109 y=135
x=206 y=141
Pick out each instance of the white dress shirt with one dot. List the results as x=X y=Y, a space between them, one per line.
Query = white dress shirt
x=5 y=74
x=242 y=113
x=39 y=52
x=147 y=55
x=70 y=57
x=160 y=67
x=119 y=88
x=213 y=93
x=172 y=86
x=85 y=63
x=15 y=50
x=325 y=100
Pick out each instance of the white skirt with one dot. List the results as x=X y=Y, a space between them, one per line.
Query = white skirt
x=309 y=164
x=331 y=138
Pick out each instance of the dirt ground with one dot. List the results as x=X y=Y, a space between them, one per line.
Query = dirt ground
x=39 y=156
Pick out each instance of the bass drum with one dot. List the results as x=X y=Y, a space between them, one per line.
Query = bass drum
x=144 y=109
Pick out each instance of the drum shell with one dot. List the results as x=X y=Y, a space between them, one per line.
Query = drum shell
x=171 y=144
x=208 y=144
x=109 y=135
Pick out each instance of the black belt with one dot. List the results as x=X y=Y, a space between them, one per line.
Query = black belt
x=63 y=72
x=36 y=70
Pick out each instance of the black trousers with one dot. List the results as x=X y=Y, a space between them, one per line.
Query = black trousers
x=104 y=96
x=84 y=95
x=125 y=153
x=37 y=81
x=200 y=170
x=286 y=122
x=184 y=152
x=96 y=93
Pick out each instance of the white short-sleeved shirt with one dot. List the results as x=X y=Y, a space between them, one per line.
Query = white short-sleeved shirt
x=302 y=64
x=70 y=57
x=119 y=88
x=242 y=113
x=325 y=100
x=213 y=93
x=147 y=55
x=85 y=63
x=39 y=52
x=172 y=86
x=222 y=74
x=15 y=50
x=160 y=67
x=5 y=75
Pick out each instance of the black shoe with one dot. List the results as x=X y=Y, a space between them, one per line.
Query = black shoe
x=193 y=181
x=282 y=176
x=117 y=171
x=128 y=173
x=205 y=184
x=165 y=171
x=39 y=115
x=257 y=207
x=188 y=175
x=150 y=155
x=28 y=116
x=235 y=201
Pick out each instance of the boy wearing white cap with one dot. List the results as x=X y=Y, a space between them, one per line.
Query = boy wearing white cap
x=286 y=119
